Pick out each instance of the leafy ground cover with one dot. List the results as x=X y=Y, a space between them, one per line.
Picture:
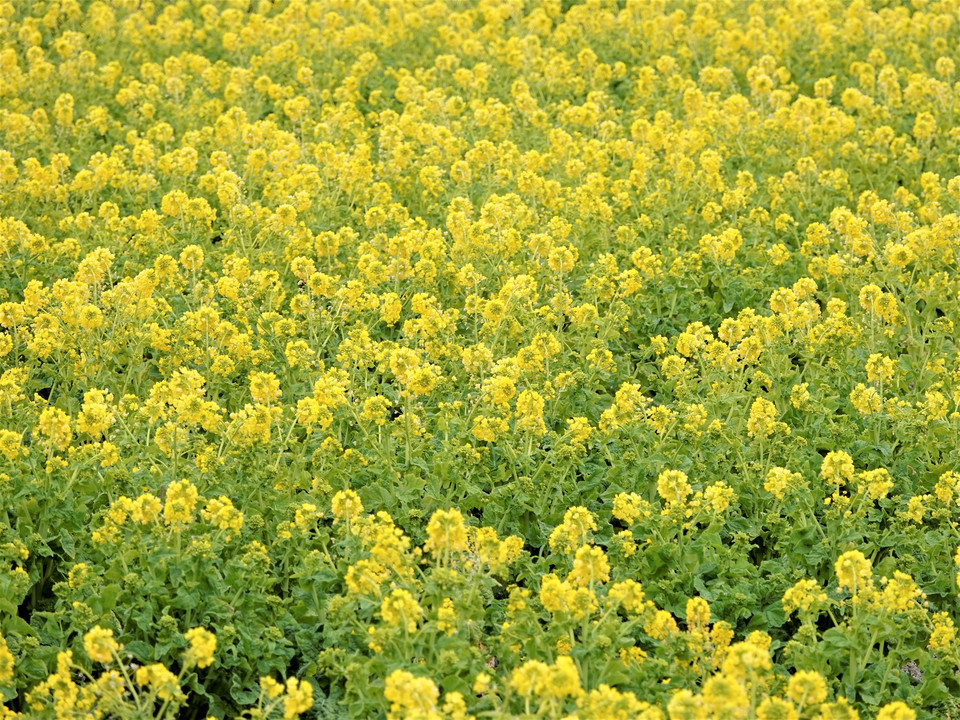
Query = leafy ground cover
x=453 y=359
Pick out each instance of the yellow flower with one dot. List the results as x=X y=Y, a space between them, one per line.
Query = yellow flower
x=481 y=683
x=762 y=421
x=673 y=487
x=447 y=617
x=446 y=532
x=400 y=609
x=590 y=566
x=563 y=679
x=866 y=400
x=799 y=396
x=298 y=698
x=561 y=597
x=99 y=645
x=896 y=710
x=880 y=369
x=805 y=595
x=944 y=632
x=271 y=688
x=55 y=425
x=698 y=613
x=410 y=696
x=806 y=688
x=346 y=506
x=6 y=663
x=853 y=571
x=837 y=467
x=629 y=593
x=78 y=575
x=578 y=523
x=661 y=625
x=924 y=128
x=684 y=705
x=722 y=692
x=181 y=502
x=375 y=409
x=916 y=508
x=607 y=703
x=878 y=483
x=500 y=390
x=146 y=509
x=91 y=317
x=546 y=681
x=11 y=444
x=203 y=645
x=489 y=429
x=899 y=593
x=365 y=577
x=624 y=542
x=221 y=513
x=530 y=413
x=264 y=388
x=160 y=680
x=719 y=496
x=191 y=257
x=579 y=430
x=776 y=709
x=780 y=480
x=839 y=710
x=629 y=507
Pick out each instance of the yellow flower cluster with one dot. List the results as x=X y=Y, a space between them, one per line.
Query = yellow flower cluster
x=479 y=359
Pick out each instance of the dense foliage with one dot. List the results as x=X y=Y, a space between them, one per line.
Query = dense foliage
x=446 y=359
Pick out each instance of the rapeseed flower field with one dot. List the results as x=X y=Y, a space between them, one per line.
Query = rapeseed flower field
x=479 y=359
